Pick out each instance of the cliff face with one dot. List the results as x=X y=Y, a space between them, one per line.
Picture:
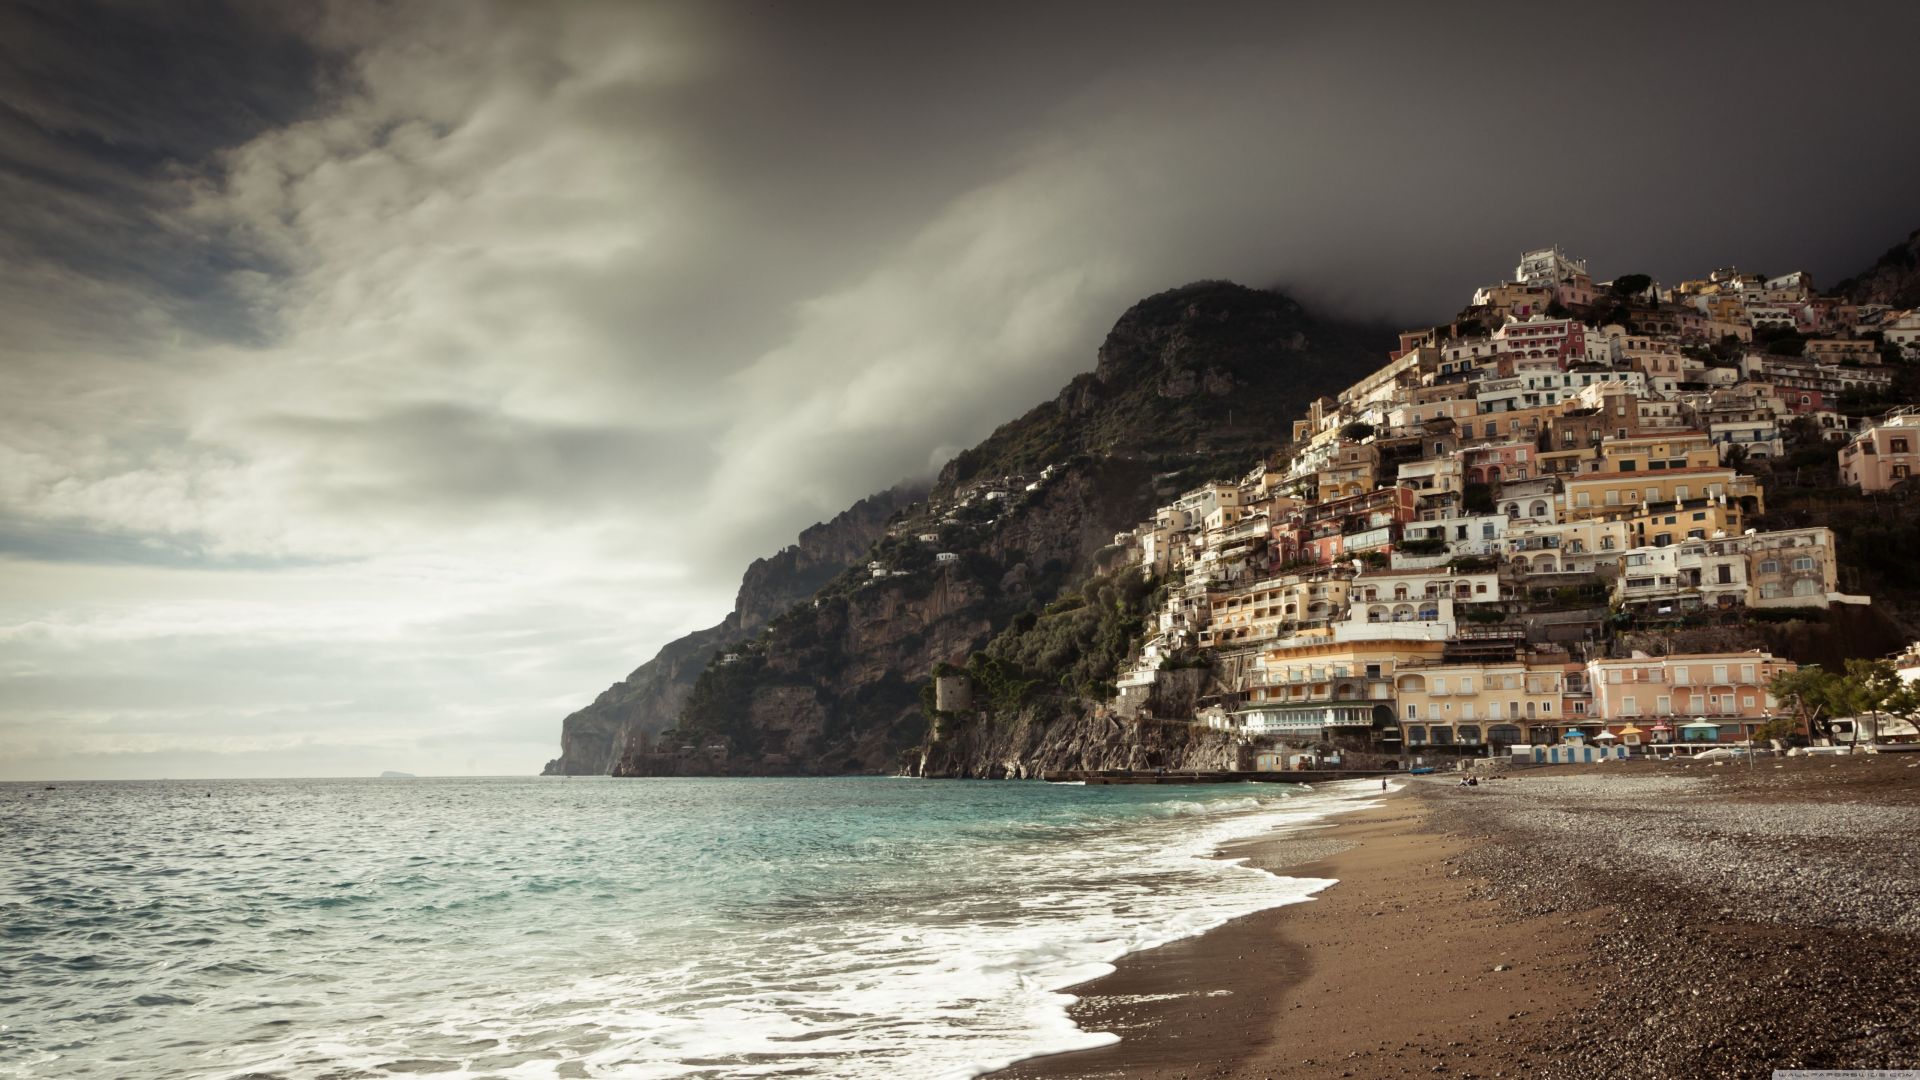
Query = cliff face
x=1188 y=383
x=1211 y=368
x=650 y=698
x=1027 y=745
x=834 y=685
x=1893 y=280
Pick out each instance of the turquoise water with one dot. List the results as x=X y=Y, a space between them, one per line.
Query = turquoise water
x=542 y=928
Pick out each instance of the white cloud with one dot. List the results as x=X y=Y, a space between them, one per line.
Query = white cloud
x=433 y=409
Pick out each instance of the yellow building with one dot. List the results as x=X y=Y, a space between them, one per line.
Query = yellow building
x=1275 y=607
x=1352 y=470
x=1630 y=495
x=1326 y=689
x=1654 y=452
x=1659 y=525
x=1473 y=704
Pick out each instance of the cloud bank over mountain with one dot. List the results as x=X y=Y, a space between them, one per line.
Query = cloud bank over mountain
x=383 y=380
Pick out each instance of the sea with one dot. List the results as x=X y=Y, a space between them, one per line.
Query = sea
x=591 y=927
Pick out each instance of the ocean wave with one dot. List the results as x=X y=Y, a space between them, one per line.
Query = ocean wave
x=830 y=929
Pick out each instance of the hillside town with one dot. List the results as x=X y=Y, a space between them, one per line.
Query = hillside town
x=1439 y=557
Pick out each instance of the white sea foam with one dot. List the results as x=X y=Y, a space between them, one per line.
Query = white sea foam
x=932 y=958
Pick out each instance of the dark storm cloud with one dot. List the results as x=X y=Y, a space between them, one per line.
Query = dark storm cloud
x=102 y=103
x=549 y=317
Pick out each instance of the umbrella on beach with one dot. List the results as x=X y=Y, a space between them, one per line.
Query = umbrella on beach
x=1702 y=724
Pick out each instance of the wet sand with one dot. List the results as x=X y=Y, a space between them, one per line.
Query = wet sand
x=1393 y=968
x=1652 y=920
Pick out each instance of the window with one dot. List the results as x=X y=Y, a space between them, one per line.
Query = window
x=1804 y=562
x=1899 y=446
x=1769 y=566
x=1466 y=684
x=1466 y=710
x=1413 y=712
x=1719 y=673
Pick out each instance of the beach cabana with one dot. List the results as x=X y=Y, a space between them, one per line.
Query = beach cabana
x=1662 y=732
x=1571 y=734
x=1605 y=736
x=1700 y=730
x=1630 y=735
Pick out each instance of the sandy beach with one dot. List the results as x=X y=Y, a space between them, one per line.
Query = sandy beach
x=1641 y=919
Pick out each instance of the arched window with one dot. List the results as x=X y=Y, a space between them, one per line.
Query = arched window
x=1539 y=508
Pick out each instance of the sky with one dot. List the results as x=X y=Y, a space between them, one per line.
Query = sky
x=381 y=381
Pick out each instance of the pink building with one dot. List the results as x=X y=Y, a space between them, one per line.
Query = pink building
x=1501 y=462
x=1882 y=455
x=1538 y=336
x=1661 y=695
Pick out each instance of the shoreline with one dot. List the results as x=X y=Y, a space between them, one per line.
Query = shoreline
x=1555 y=922
x=1318 y=987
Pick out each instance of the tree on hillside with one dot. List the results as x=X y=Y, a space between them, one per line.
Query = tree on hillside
x=1630 y=284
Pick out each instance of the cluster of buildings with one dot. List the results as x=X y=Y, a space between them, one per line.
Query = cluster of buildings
x=1438 y=557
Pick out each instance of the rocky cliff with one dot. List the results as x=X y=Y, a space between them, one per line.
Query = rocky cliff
x=1189 y=383
x=1211 y=368
x=834 y=683
x=1894 y=279
x=1030 y=744
x=651 y=697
